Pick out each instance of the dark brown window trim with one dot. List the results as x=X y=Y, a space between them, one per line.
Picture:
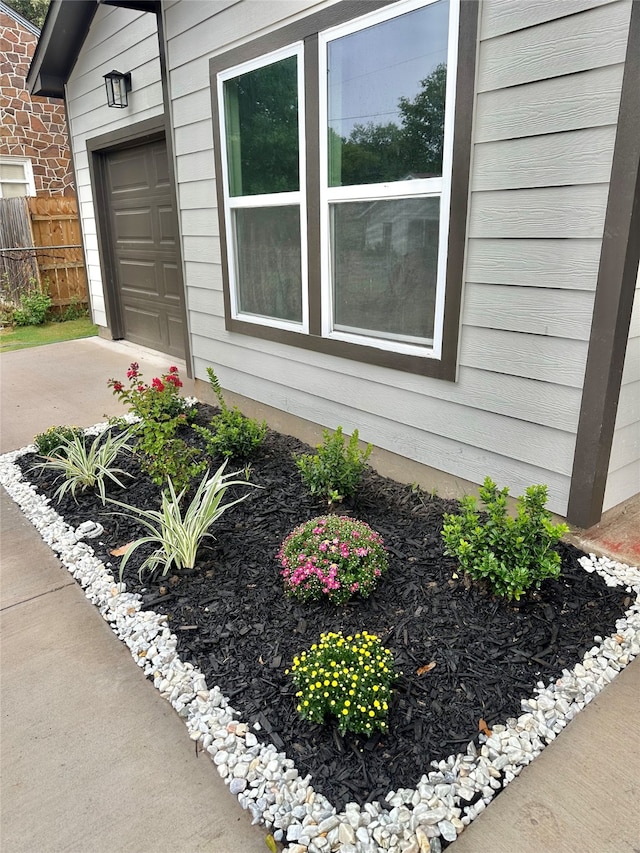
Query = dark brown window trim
x=307 y=30
x=613 y=303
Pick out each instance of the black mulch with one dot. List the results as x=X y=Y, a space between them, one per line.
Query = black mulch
x=235 y=624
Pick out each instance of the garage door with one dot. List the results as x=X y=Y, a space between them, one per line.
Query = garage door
x=148 y=286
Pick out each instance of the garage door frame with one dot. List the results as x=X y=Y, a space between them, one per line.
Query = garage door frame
x=98 y=149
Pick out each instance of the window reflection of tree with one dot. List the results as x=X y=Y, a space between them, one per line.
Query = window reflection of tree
x=390 y=152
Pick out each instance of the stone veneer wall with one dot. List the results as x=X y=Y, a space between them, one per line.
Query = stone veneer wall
x=31 y=127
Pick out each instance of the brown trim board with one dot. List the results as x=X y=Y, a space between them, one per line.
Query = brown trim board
x=168 y=135
x=613 y=302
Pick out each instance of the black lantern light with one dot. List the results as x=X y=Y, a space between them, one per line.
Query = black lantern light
x=118 y=86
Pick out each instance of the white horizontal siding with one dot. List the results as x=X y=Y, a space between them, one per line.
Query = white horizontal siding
x=190 y=167
x=226 y=26
x=206 y=249
x=200 y=223
x=197 y=194
x=592 y=39
x=508 y=16
x=550 y=160
x=590 y=99
x=193 y=109
x=555 y=263
x=194 y=137
x=626 y=447
x=559 y=313
x=623 y=479
x=205 y=302
x=127 y=40
x=622 y=484
x=631 y=371
x=540 y=213
x=534 y=356
x=181 y=17
x=203 y=275
x=628 y=405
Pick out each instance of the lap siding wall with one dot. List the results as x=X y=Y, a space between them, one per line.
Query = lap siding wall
x=547 y=96
x=548 y=90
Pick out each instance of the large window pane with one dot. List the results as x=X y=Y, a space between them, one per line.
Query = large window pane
x=13 y=190
x=386 y=99
x=11 y=172
x=261 y=118
x=385 y=258
x=268 y=262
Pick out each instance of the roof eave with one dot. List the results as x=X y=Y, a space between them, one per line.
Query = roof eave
x=63 y=34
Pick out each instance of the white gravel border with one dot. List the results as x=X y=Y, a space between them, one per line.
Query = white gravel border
x=266 y=782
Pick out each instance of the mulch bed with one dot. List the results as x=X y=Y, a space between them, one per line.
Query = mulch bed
x=235 y=624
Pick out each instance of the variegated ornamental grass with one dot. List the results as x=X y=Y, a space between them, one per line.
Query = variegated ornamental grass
x=88 y=466
x=180 y=536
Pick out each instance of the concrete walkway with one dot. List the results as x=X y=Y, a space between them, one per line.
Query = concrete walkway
x=93 y=759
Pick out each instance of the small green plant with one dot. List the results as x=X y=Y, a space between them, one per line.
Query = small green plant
x=88 y=466
x=161 y=412
x=332 y=557
x=335 y=470
x=75 y=310
x=33 y=308
x=179 y=537
x=348 y=678
x=53 y=440
x=231 y=433
x=163 y=456
x=513 y=555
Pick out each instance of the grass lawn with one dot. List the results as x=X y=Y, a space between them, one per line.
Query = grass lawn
x=19 y=337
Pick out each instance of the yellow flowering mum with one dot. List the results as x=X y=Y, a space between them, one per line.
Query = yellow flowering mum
x=362 y=672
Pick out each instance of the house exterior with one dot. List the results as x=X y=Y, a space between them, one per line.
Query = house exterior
x=416 y=218
x=34 y=150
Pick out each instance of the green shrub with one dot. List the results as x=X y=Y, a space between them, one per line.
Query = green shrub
x=332 y=557
x=53 y=440
x=164 y=457
x=75 y=310
x=34 y=307
x=512 y=554
x=231 y=433
x=87 y=466
x=179 y=538
x=335 y=470
x=348 y=678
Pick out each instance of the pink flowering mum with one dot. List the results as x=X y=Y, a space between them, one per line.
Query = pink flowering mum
x=332 y=557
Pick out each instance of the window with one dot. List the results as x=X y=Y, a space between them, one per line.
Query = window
x=335 y=153
x=262 y=142
x=16 y=177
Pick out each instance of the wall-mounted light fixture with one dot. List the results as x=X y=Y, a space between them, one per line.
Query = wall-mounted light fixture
x=118 y=86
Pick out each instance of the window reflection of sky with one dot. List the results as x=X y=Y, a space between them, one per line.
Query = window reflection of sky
x=368 y=73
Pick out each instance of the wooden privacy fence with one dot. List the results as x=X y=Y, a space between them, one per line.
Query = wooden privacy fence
x=40 y=239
